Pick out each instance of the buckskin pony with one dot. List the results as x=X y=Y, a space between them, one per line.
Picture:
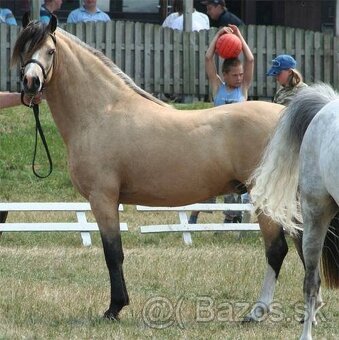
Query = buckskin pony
x=126 y=146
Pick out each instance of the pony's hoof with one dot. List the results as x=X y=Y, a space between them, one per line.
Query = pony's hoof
x=111 y=315
x=248 y=318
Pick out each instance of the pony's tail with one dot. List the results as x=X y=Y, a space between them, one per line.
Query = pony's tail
x=275 y=181
x=330 y=256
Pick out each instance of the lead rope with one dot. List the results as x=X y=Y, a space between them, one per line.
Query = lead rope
x=38 y=130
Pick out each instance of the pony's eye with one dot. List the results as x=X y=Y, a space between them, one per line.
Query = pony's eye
x=51 y=51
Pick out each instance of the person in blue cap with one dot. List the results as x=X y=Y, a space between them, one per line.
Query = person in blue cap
x=288 y=77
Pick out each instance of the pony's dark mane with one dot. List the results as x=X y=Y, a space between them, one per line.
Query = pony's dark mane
x=113 y=67
x=36 y=33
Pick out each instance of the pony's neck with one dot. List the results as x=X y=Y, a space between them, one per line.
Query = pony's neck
x=82 y=87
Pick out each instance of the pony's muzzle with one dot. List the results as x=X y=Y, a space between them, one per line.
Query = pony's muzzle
x=31 y=84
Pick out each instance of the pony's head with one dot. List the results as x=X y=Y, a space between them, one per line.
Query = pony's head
x=35 y=48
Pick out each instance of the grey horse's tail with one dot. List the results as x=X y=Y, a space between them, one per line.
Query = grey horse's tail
x=330 y=256
x=276 y=179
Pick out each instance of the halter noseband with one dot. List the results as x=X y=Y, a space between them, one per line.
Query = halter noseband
x=33 y=61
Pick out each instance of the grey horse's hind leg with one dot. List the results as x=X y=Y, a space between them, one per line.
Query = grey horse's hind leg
x=317 y=214
x=297 y=239
x=313 y=239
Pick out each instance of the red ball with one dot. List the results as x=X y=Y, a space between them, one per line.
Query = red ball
x=228 y=46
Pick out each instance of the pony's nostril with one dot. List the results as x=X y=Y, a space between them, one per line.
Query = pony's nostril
x=31 y=84
x=36 y=82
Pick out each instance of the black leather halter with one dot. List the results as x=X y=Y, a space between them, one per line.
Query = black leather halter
x=44 y=73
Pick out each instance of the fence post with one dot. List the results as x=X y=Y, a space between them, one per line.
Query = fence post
x=185 y=235
x=35 y=9
x=188 y=10
x=336 y=62
x=190 y=55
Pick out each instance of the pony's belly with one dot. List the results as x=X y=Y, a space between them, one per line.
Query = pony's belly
x=167 y=197
x=178 y=193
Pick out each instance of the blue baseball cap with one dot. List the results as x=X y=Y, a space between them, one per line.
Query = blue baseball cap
x=280 y=63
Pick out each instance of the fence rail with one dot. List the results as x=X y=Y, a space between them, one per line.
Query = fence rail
x=187 y=228
x=83 y=226
x=162 y=60
x=79 y=208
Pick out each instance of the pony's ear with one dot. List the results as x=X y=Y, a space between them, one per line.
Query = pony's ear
x=25 y=19
x=53 y=23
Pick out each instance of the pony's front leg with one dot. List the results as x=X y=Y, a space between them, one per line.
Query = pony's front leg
x=3 y=217
x=276 y=249
x=107 y=217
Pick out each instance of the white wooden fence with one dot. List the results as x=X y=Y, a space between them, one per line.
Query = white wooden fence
x=80 y=209
x=85 y=227
x=187 y=228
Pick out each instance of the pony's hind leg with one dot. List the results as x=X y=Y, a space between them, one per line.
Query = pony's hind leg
x=107 y=217
x=276 y=249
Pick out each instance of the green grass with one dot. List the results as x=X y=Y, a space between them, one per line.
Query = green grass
x=51 y=287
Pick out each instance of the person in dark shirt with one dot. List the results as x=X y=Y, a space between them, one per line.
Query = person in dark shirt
x=48 y=8
x=220 y=16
